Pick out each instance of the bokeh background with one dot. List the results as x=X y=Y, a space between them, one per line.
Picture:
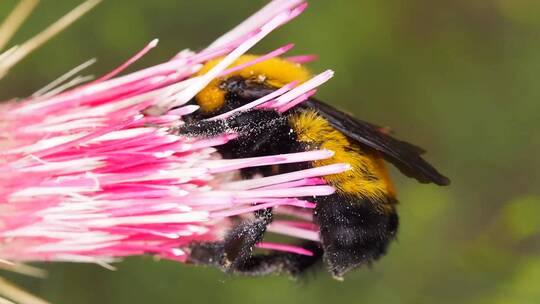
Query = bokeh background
x=459 y=78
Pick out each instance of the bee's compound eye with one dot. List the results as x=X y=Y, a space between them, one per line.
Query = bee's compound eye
x=232 y=84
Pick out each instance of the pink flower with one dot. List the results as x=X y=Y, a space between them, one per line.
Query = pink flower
x=85 y=176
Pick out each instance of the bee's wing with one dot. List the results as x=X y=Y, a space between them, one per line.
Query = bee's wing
x=405 y=156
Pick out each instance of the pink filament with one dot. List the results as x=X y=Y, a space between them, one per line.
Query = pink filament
x=130 y=61
x=301 y=59
x=259 y=59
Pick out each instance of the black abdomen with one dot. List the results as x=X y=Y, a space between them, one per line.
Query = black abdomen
x=353 y=233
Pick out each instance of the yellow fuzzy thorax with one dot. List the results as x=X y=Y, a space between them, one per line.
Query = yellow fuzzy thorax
x=316 y=132
x=275 y=72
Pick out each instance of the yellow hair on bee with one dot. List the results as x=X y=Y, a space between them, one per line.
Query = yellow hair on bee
x=368 y=176
x=275 y=72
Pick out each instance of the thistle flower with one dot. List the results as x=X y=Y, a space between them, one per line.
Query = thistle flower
x=94 y=173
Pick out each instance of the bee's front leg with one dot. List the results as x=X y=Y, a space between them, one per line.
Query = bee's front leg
x=239 y=243
x=237 y=247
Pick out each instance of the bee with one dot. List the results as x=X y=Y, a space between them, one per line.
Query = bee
x=356 y=223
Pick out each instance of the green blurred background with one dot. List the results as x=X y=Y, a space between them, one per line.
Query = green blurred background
x=459 y=78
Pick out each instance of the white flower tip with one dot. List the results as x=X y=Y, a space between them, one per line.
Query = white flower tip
x=286 y=47
x=178 y=251
x=299 y=9
x=346 y=167
x=190 y=109
x=329 y=73
x=153 y=43
x=164 y=154
x=329 y=190
x=327 y=153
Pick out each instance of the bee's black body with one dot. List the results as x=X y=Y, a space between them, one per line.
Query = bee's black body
x=356 y=225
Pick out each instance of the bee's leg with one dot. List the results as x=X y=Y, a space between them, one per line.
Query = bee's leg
x=246 y=124
x=212 y=254
x=281 y=262
x=202 y=128
x=237 y=247
x=235 y=253
x=239 y=243
x=207 y=254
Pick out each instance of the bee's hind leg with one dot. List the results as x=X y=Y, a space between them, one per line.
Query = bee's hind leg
x=235 y=253
x=291 y=264
x=294 y=265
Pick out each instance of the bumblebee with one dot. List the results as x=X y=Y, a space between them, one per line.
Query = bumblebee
x=356 y=223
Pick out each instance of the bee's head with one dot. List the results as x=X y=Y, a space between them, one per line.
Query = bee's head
x=235 y=89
